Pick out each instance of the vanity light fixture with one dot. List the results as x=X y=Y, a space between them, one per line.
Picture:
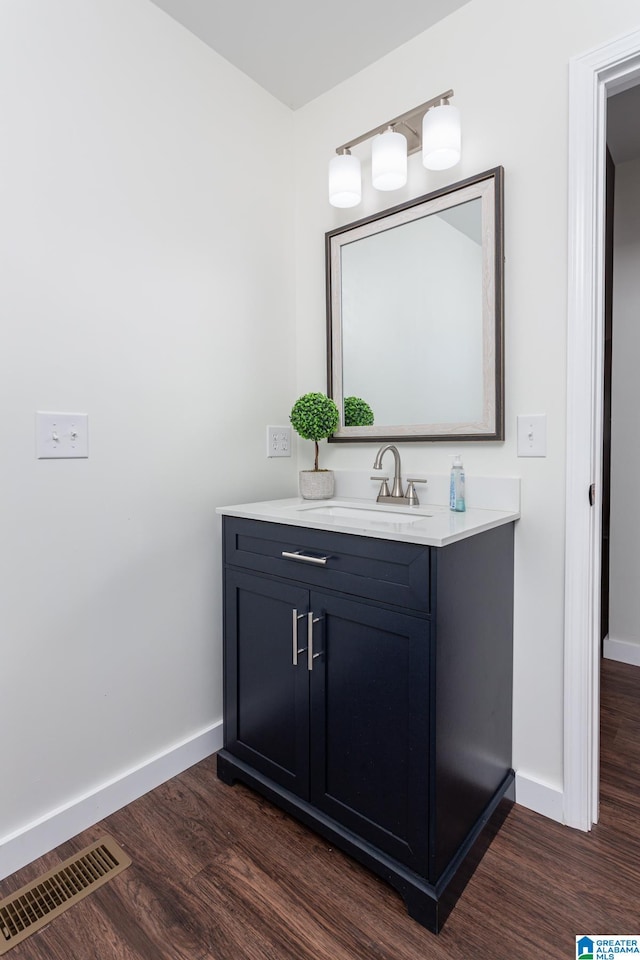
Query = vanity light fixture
x=389 y=160
x=434 y=126
x=345 y=183
x=441 y=137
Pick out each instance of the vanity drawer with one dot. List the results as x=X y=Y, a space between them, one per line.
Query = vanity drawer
x=384 y=570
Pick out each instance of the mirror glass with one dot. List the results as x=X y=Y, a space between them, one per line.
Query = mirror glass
x=415 y=317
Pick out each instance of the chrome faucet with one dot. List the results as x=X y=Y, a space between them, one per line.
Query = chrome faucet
x=396 y=495
x=397 y=479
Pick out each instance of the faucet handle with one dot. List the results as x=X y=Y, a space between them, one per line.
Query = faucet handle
x=411 y=494
x=384 y=487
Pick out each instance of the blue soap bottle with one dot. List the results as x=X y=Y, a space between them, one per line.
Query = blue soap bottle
x=456 y=486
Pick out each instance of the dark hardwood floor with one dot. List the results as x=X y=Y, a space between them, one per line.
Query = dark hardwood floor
x=220 y=874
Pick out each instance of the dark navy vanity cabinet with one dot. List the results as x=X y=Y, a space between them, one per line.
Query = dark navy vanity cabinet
x=367 y=687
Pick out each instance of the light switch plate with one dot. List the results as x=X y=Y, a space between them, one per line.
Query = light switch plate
x=61 y=435
x=532 y=435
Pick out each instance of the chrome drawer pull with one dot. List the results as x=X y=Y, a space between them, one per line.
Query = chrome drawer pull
x=296 y=616
x=298 y=555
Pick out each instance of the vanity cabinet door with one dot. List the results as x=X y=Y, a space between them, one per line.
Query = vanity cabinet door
x=266 y=695
x=369 y=733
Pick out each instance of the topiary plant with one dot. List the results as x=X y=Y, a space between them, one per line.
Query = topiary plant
x=357 y=412
x=314 y=416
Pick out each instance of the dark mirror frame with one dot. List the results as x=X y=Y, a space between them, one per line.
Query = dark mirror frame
x=490 y=186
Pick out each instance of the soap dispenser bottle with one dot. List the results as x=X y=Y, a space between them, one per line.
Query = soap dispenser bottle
x=456 y=486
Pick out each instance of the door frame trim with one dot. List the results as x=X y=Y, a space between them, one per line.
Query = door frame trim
x=593 y=76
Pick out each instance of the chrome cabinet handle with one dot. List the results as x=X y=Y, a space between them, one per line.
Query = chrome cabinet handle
x=311 y=656
x=298 y=555
x=296 y=616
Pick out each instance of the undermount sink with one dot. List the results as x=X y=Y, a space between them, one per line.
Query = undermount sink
x=364 y=515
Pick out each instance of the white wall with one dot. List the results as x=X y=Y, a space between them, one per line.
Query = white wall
x=624 y=612
x=508 y=65
x=146 y=256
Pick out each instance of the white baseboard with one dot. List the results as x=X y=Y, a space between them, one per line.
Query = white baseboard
x=625 y=651
x=59 y=825
x=540 y=797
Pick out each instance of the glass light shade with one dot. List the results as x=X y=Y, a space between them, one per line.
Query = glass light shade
x=389 y=161
x=345 y=186
x=441 y=137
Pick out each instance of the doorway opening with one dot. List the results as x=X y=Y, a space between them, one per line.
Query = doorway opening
x=620 y=604
x=594 y=78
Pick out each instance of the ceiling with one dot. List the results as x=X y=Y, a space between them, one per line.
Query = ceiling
x=298 y=49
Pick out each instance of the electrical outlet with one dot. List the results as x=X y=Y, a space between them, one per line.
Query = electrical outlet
x=278 y=441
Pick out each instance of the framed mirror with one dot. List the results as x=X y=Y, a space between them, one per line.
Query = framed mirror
x=415 y=317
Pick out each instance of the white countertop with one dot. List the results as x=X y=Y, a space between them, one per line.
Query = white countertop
x=432 y=525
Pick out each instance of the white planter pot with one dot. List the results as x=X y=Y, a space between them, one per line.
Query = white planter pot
x=316 y=484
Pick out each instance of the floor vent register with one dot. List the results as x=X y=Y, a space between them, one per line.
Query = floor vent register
x=39 y=902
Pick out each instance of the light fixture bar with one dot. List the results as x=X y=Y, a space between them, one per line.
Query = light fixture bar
x=411 y=122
